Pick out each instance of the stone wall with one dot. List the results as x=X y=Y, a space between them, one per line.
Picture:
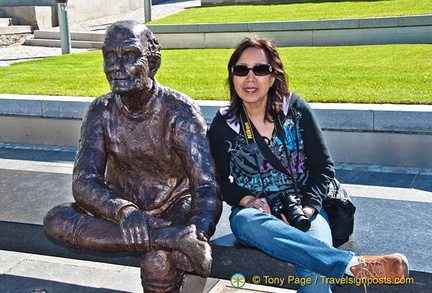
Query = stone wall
x=43 y=14
x=12 y=3
x=355 y=133
x=234 y=2
x=81 y=10
x=38 y=17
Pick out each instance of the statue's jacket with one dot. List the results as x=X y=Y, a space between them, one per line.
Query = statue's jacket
x=158 y=161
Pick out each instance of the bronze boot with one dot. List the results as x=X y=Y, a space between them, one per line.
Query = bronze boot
x=159 y=273
x=185 y=240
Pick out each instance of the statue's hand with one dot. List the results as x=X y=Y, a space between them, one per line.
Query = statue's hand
x=135 y=226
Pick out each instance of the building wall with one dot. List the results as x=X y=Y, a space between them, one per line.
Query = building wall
x=81 y=10
x=27 y=2
x=38 y=17
x=42 y=14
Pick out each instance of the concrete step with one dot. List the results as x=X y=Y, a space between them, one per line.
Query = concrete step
x=4 y=21
x=77 y=36
x=57 y=43
x=51 y=38
x=15 y=29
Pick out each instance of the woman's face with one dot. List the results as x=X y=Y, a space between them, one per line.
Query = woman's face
x=253 y=89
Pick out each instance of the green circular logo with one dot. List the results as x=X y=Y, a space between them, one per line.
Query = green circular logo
x=238 y=280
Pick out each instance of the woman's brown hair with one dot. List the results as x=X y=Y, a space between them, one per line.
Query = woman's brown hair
x=277 y=91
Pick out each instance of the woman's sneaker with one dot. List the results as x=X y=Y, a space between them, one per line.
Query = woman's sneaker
x=391 y=268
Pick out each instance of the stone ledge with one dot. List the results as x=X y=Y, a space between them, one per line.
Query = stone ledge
x=393 y=135
x=327 y=24
x=375 y=22
x=16 y=29
x=44 y=106
x=333 y=32
x=226 y=260
x=332 y=116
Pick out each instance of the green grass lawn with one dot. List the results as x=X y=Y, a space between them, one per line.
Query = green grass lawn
x=306 y=10
x=355 y=74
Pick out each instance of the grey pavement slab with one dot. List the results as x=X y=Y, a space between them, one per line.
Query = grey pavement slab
x=15 y=284
x=25 y=272
x=10 y=259
x=21 y=272
x=71 y=272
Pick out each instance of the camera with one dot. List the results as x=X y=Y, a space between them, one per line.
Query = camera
x=290 y=206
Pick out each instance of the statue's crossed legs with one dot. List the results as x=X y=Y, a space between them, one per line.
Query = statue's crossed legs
x=174 y=250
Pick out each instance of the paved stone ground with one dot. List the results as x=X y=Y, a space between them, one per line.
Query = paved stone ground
x=12 y=50
x=393 y=215
x=13 y=40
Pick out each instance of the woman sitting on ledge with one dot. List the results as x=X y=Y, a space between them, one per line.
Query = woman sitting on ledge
x=262 y=106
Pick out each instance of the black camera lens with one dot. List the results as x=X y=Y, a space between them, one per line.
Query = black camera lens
x=290 y=206
x=301 y=222
x=294 y=213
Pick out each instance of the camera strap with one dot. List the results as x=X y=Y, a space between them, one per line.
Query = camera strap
x=252 y=135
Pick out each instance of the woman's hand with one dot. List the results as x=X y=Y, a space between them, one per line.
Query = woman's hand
x=260 y=204
x=309 y=211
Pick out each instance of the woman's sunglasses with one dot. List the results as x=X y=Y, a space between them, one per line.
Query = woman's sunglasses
x=258 y=70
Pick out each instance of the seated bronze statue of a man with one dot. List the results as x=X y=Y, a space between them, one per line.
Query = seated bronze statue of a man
x=143 y=179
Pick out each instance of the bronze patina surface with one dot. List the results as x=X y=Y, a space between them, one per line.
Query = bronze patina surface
x=143 y=179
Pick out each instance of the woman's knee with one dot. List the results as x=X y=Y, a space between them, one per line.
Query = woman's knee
x=243 y=218
x=248 y=224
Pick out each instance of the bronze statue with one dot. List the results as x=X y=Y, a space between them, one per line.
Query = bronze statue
x=143 y=178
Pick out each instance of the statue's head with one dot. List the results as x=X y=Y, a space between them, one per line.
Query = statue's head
x=131 y=57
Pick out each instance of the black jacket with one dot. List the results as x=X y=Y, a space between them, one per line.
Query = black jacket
x=243 y=170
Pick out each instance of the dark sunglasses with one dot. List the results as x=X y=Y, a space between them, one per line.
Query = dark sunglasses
x=258 y=70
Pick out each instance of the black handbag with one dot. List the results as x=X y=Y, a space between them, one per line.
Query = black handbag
x=340 y=210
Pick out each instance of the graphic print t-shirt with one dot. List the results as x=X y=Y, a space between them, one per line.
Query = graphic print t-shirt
x=250 y=169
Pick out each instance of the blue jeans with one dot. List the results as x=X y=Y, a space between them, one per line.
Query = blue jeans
x=312 y=252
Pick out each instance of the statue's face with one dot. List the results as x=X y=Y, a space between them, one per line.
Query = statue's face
x=125 y=62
